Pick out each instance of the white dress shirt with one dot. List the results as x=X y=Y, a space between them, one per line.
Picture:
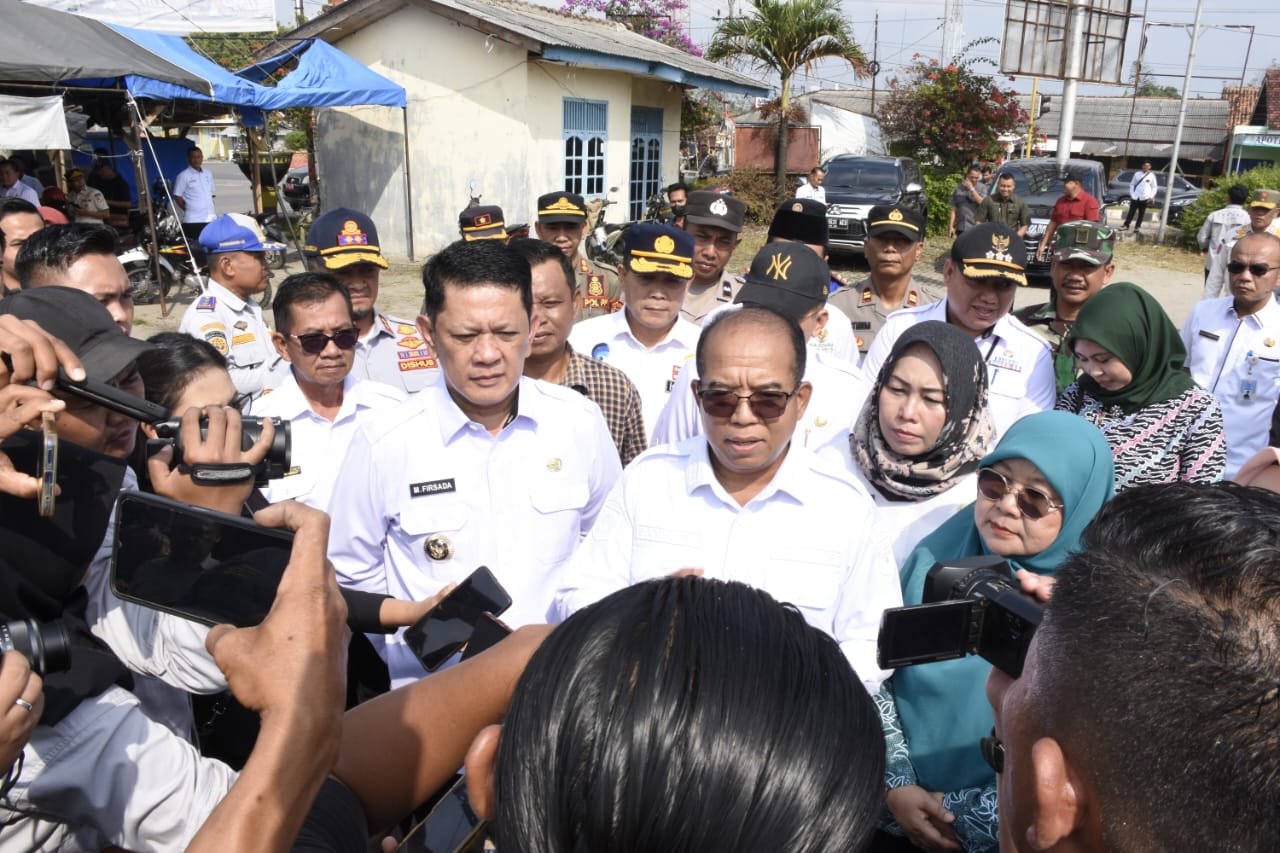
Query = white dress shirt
x=1020 y=374
x=1229 y=355
x=518 y=502
x=22 y=191
x=195 y=188
x=808 y=190
x=838 y=394
x=1142 y=187
x=319 y=444
x=805 y=539
x=238 y=330
x=394 y=354
x=653 y=371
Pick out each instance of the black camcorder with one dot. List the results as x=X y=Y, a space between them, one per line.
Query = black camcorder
x=272 y=467
x=45 y=645
x=971 y=606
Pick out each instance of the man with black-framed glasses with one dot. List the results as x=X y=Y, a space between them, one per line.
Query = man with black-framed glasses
x=1233 y=346
x=743 y=501
x=326 y=403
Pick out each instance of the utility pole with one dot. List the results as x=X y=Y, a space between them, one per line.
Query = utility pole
x=952 y=29
x=1077 y=13
x=1032 y=115
x=1182 y=117
x=875 y=60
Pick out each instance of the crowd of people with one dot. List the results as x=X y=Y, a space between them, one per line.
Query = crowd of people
x=701 y=492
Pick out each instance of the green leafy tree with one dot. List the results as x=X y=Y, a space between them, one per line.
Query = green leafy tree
x=950 y=115
x=783 y=37
x=1145 y=85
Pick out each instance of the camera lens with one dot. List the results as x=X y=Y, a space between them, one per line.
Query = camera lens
x=47 y=647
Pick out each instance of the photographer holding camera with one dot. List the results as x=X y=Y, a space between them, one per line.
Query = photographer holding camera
x=1045 y=480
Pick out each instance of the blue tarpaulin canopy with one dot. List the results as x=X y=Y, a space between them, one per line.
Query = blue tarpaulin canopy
x=325 y=77
x=227 y=87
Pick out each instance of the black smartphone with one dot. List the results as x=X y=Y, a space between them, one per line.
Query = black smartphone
x=448 y=626
x=48 y=472
x=451 y=826
x=925 y=633
x=202 y=565
x=489 y=631
x=113 y=398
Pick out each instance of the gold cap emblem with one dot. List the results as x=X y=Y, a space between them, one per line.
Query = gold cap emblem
x=895 y=215
x=664 y=245
x=779 y=266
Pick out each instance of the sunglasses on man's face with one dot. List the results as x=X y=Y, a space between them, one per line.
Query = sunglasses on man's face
x=1255 y=270
x=314 y=343
x=1032 y=503
x=765 y=405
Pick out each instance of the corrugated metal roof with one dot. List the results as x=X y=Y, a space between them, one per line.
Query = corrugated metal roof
x=577 y=39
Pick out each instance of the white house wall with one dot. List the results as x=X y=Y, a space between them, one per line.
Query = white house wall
x=480 y=111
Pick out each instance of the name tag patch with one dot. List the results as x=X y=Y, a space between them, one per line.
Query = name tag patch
x=432 y=487
x=1210 y=335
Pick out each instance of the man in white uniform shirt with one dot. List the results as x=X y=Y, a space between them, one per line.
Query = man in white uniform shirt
x=790 y=279
x=193 y=193
x=648 y=340
x=985 y=269
x=316 y=336
x=812 y=186
x=226 y=315
x=1232 y=347
x=484 y=468
x=743 y=502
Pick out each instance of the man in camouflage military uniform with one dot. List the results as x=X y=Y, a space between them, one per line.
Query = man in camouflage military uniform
x=344 y=243
x=895 y=236
x=714 y=220
x=562 y=222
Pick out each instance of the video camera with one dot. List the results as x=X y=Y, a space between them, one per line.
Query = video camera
x=971 y=606
x=45 y=645
x=273 y=466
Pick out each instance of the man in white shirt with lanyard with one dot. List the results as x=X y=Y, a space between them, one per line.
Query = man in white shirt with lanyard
x=1142 y=188
x=1233 y=346
x=982 y=274
x=485 y=468
x=743 y=501
x=325 y=403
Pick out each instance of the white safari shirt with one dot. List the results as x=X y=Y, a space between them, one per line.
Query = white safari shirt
x=1237 y=360
x=653 y=371
x=394 y=354
x=319 y=444
x=807 y=539
x=237 y=329
x=424 y=475
x=1019 y=362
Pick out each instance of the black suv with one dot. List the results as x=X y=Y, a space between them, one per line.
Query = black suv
x=854 y=185
x=1038 y=182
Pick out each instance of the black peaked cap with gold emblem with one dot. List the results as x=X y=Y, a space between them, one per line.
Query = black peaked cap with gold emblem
x=562 y=207
x=895 y=219
x=343 y=237
x=659 y=248
x=991 y=250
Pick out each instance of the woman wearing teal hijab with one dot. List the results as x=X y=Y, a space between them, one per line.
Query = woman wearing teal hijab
x=1045 y=480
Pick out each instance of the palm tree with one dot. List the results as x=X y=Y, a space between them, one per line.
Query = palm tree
x=784 y=36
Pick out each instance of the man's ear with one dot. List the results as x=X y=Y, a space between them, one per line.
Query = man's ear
x=277 y=340
x=1059 y=799
x=427 y=330
x=480 y=765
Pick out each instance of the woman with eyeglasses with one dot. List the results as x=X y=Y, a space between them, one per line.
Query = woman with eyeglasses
x=1045 y=480
x=1132 y=386
x=916 y=445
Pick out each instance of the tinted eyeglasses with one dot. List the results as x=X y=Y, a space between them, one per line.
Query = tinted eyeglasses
x=992 y=751
x=1255 y=270
x=766 y=405
x=315 y=342
x=1032 y=503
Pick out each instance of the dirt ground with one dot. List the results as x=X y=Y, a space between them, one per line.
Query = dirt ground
x=1174 y=276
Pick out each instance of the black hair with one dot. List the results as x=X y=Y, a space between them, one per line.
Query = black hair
x=50 y=251
x=538 y=252
x=174 y=361
x=767 y=321
x=1237 y=193
x=10 y=206
x=1160 y=657
x=678 y=185
x=1005 y=176
x=481 y=263
x=685 y=714
x=304 y=288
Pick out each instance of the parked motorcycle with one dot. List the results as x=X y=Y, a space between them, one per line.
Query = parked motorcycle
x=605 y=240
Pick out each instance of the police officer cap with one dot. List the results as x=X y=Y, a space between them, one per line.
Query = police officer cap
x=718 y=209
x=562 y=207
x=801 y=219
x=343 y=237
x=895 y=219
x=652 y=247
x=483 y=222
x=991 y=250
x=790 y=278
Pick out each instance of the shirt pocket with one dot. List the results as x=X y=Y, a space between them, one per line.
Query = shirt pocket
x=808 y=578
x=437 y=520
x=660 y=550
x=559 y=506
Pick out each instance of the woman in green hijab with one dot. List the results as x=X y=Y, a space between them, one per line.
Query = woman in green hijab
x=1039 y=488
x=1132 y=386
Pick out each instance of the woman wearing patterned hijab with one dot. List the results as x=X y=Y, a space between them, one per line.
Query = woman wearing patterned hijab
x=921 y=433
x=1132 y=386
